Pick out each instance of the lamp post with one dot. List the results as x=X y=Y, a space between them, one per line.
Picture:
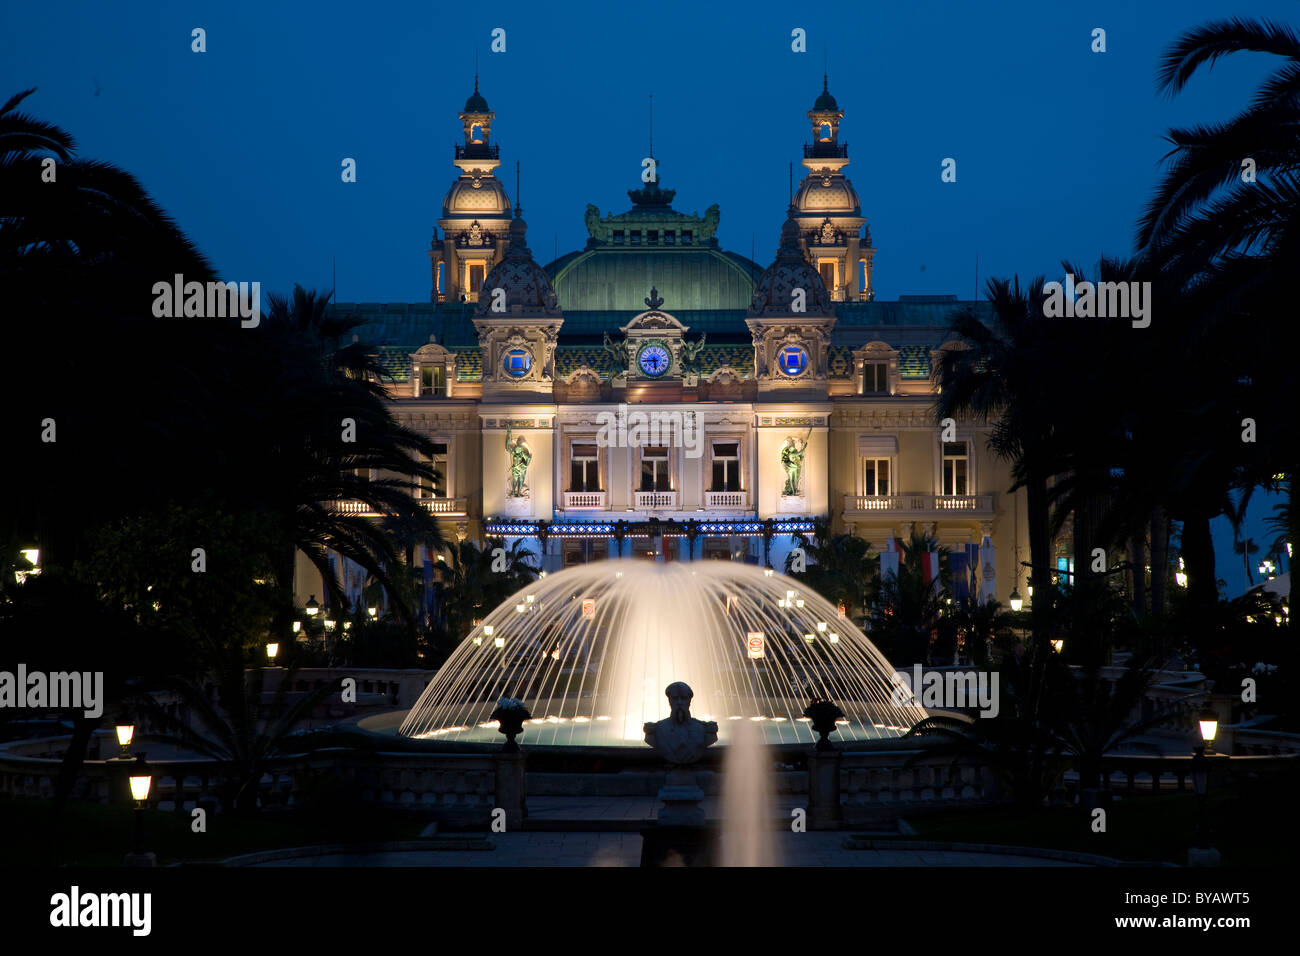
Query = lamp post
x=1203 y=853
x=1016 y=601
x=1208 y=723
x=125 y=734
x=141 y=780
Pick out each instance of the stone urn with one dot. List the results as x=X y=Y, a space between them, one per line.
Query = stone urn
x=510 y=715
x=823 y=714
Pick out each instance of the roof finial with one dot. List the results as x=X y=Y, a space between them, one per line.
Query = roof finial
x=519 y=206
x=652 y=125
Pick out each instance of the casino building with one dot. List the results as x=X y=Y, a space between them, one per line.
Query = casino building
x=787 y=391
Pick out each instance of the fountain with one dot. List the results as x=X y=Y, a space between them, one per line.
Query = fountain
x=747 y=836
x=589 y=650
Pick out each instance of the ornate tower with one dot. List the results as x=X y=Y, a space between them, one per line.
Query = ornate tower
x=832 y=232
x=790 y=320
x=475 y=212
x=518 y=321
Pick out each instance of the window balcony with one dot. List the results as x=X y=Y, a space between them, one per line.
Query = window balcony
x=656 y=501
x=975 y=506
x=586 y=500
x=725 y=499
x=449 y=507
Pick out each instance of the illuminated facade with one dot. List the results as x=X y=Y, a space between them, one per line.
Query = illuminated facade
x=655 y=395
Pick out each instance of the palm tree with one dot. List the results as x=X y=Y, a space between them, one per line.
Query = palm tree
x=1246 y=547
x=241 y=729
x=79 y=255
x=1002 y=375
x=476 y=580
x=328 y=435
x=1234 y=236
x=838 y=567
x=906 y=608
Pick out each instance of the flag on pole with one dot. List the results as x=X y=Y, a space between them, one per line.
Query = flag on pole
x=888 y=560
x=930 y=568
x=988 y=580
x=959 y=568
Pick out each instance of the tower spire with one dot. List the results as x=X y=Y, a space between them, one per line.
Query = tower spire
x=652 y=125
x=519 y=207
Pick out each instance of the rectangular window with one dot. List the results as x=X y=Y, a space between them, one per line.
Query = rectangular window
x=726 y=466
x=669 y=237
x=687 y=236
x=438 y=461
x=652 y=237
x=618 y=237
x=876 y=476
x=956 y=469
x=717 y=550
x=477 y=271
x=582 y=552
x=654 y=469
x=433 y=380
x=636 y=237
x=584 y=468
x=827 y=268
x=875 y=378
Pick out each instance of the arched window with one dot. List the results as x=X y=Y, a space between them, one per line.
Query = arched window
x=476 y=133
x=826 y=132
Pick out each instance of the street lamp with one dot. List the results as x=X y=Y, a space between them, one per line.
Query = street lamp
x=1058 y=644
x=271 y=650
x=141 y=780
x=125 y=733
x=1180 y=576
x=1208 y=722
x=312 y=608
x=1016 y=601
x=372 y=611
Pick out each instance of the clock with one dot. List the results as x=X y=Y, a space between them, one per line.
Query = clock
x=654 y=359
x=517 y=362
x=792 y=360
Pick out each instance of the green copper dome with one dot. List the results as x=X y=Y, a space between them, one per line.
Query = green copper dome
x=617 y=279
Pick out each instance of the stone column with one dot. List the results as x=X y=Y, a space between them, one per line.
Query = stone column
x=824 y=812
x=510 y=770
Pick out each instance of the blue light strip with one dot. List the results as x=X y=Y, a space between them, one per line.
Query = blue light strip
x=579 y=529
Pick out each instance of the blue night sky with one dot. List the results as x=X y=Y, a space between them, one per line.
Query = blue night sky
x=1057 y=147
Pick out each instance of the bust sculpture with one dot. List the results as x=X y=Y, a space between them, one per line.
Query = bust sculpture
x=680 y=738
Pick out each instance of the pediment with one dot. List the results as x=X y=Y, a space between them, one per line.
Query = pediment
x=655 y=321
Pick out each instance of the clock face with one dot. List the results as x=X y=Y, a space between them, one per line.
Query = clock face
x=653 y=360
x=792 y=360
x=517 y=362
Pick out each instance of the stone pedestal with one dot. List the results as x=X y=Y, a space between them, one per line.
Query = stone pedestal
x=510 y=792
x=792 y=504
x=518 y=507
x=683 y=800
x=824 y=812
